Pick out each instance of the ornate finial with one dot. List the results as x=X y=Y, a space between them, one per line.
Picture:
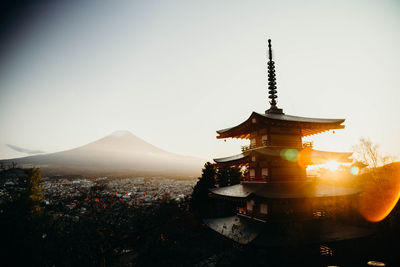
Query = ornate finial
x=272 y=83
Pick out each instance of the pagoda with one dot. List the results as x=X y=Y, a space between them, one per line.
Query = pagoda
x=277 y=203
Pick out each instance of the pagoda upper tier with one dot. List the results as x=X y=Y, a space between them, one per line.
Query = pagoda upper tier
x=300 y=126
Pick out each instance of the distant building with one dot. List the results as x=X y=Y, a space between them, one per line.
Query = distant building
x=277 y=203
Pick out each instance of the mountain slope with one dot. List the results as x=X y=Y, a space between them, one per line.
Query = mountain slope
x=119 y=152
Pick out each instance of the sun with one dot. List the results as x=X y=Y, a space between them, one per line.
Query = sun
x=331 y=165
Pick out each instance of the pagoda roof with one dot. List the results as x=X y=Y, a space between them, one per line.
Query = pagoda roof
x=238 y=229
x=238 y=190
x=308 y=126
x=312 y=157
x=246 y=231
x=280 y=191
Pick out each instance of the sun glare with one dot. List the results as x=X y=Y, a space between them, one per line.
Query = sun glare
x=331 y=165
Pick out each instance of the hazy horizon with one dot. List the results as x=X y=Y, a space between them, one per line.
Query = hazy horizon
x=173 y=72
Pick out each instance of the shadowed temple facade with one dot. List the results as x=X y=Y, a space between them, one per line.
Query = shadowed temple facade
x=277 y=203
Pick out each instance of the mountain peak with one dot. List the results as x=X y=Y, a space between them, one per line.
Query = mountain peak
x=120 y=151
x=121 y=133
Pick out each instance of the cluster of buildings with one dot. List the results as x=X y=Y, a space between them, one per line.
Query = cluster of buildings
x=9 y=183
x=66 y=194
x=69 y=198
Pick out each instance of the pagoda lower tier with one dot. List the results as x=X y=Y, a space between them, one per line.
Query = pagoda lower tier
x=283 y=201
x=266 y=210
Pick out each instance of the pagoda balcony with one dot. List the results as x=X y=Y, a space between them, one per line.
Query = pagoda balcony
x=267 y=179
x=245 y=148
x=255 y=180
x=287 y=144
x=252 y=146
x=253 y=216
x=311 y=177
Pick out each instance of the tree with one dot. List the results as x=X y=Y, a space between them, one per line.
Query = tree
x=22 y=221
x=200 y=202
x=235 y=175
x=228 y=176
x=33 y=191
x=223 y=176
x=208 y=175
x=369 y=154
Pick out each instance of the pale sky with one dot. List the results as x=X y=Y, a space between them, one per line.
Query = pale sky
x=174 y=72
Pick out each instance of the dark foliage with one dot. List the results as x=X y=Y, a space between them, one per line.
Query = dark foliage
x=204 y=206
x=22 y=219
x=226 y=176
x=200 y=203
x=109 y=233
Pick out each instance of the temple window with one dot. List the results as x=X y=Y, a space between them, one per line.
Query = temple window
x=264 y=139
x=253 y=142
x=319 y=213
x=249 y=205
x=242 y=210
x=263 y=208
x=264 y=172
x=252 y=173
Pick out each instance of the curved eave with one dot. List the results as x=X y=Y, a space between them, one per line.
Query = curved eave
x=244 y=157
x=231 y=159
x=291 y=118
x=264 y=235
x=236 y=191
x=309 y=126
x=233 y=131
x=309 y=131
x=277 y=191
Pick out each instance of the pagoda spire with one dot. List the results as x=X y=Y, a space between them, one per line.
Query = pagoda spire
x=272 y=83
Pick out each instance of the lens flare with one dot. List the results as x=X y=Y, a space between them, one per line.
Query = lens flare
x=354 y=170
x=290 y=154
x=304 y=157
x=380 y=195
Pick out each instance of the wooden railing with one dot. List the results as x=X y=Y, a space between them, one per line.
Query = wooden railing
x=251 y=146
x=245 y=148
x=255 y=180
x=265 y=143
x=266 y=179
